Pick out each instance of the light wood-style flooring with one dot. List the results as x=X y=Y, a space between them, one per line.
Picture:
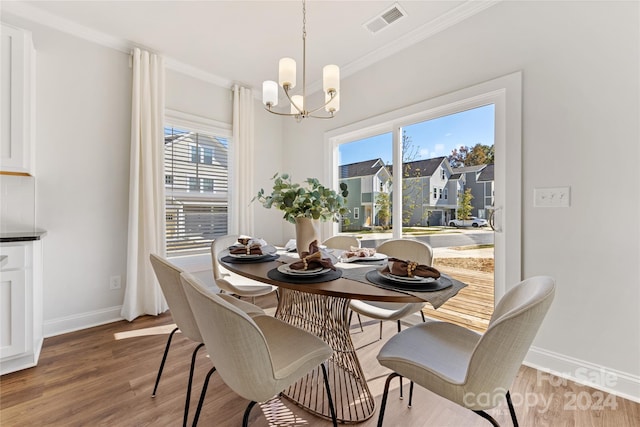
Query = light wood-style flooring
x=104 y=376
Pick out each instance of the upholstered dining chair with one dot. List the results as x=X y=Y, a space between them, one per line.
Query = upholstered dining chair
x=342 y=242
x=405 y=249
x=257 y=357
x=230 y=282
x=470 y=369
x=169 y=278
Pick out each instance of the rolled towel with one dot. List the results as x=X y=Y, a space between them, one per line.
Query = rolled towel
x=253 y=249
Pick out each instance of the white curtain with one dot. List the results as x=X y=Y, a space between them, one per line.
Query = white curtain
x=241 y=189
x=146 y=187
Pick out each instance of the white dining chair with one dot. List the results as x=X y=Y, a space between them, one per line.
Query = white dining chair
x=405 y=249
x=168 y=276
x=230 y=282
x=473 y=370
x=257 y=357
x=342 y=242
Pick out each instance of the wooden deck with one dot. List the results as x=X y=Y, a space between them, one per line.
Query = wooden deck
x=473 y=306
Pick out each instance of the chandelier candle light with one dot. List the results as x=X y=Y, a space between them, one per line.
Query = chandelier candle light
x=287 y=80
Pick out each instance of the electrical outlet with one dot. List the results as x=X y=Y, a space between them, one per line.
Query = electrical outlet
x=557 y=197
x=115 y=282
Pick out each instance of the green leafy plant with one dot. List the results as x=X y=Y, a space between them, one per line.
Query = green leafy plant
x=311 y=200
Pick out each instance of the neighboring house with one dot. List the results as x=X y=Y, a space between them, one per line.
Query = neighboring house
x=481 y=188
x=429 y=193
x=196 y=187
x=365 y=180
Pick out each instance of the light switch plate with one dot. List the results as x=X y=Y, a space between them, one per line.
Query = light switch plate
x=556 y=197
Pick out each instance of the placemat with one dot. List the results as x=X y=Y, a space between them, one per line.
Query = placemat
x=231 y=259
x=435 y=298
x=274 y=274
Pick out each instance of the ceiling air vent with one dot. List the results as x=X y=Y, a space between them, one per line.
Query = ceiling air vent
x=384 y=19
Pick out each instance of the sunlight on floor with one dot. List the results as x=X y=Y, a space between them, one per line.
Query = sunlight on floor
x=158 y=330
x=277 y=414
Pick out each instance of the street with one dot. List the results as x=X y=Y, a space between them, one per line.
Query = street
x=460 y=237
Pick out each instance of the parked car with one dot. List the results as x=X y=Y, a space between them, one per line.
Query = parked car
x=471 y=222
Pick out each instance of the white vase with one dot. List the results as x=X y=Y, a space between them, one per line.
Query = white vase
x=307 y=230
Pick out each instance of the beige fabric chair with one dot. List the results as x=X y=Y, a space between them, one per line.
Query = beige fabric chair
x=231 y=282
x=405 y=249
x=169 y=278
x=256 y=357
x=342 y=242
x=470 y=369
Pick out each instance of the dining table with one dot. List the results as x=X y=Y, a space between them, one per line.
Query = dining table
x=320 y=305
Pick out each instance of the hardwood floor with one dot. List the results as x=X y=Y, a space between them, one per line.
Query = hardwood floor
x=104 y=376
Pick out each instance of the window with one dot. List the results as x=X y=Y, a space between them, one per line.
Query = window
x=196 y=187
x=440 y=193
x=442 y=174
x=356 y=213
x=435 y=193
x=446 y=193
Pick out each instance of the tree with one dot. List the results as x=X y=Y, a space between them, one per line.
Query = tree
x=383 y=204
x=464 y=205
x=411 y=188
x=470 y=156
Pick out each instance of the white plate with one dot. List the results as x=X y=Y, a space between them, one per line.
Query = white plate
x=284 y=269
x=405 y=279
x=374 y=257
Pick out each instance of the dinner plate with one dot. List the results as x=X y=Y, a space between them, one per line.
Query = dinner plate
x=284 y=269
x=374 y=257
x=405 y=279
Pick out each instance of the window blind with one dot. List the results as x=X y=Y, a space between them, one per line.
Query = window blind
x=196 y=186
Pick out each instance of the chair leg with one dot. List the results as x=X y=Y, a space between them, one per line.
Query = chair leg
x=381 y=329
x=188 y=400
x=202 y=394
x=488 y=418
x=331 y=407
x=512 y=410
x=383 y=404
x=164 y=359
x=245 y=419
x=399 y=325
x=360 y=322
x=422 y=314
x=410 y=394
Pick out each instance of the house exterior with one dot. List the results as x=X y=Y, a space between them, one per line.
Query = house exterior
x=365 y=180
x=430 y=191
x=479 y=188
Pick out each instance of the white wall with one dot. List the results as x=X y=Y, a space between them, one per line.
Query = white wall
x=580 y=64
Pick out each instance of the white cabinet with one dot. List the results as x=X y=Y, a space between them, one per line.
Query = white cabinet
x=17 y=102
x=20 y=305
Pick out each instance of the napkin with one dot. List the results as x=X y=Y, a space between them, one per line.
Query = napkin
x=356 y=252
x=312 y=259
x=402 y=268
x=252 y=249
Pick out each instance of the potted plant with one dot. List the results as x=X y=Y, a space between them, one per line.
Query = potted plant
x=305 y=205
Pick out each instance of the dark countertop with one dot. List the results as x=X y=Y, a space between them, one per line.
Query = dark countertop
x=21 y=236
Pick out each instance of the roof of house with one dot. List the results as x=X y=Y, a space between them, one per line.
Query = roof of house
x=365 y=168
x=455 y=176
x=486 y=174
x=426 y=167
x=465 y=169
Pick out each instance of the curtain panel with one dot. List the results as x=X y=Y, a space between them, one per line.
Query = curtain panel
x=241 y=215
x=146 y=187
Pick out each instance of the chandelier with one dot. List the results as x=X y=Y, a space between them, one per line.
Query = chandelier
x=287 y=80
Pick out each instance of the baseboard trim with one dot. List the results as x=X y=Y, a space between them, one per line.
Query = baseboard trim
x=608 y=380
x=89 y=319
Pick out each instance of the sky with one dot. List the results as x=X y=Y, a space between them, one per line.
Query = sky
x=432 y=138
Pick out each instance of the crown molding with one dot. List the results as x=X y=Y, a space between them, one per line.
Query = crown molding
x=34 y=14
